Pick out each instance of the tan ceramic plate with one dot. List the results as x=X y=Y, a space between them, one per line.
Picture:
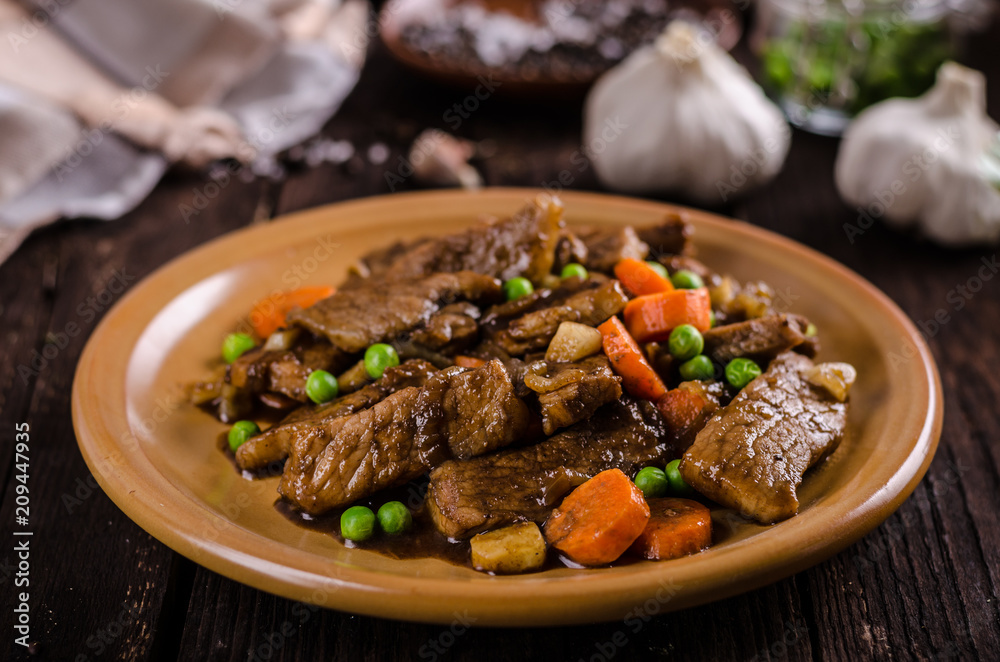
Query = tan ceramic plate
x=156 y=456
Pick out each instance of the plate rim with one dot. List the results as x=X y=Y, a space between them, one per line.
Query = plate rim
x=103 y=442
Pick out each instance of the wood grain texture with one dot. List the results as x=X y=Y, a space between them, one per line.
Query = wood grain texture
x=924 y=585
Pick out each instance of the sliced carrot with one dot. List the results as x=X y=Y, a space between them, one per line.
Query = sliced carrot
x=652 y=317
x=468 y=361
x=639 y=278
x=628 y=361
x=676 y=527
x=681 y=409
x=598 y=521
x=268 y=315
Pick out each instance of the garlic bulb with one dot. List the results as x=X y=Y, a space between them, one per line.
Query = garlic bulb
x=682 y=115
x=926 y=162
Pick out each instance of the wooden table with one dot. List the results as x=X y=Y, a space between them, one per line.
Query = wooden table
x=924 y=585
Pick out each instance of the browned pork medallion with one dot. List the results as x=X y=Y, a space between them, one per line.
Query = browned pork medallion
x=526 y=372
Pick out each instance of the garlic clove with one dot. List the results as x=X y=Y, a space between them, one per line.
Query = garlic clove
x=442 y=159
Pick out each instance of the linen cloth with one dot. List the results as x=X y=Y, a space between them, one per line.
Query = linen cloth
x=99 y=97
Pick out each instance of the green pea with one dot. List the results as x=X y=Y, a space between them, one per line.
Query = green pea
x=321 y=386
x=685 y=342
x=357 y=523
x=687 y=280
x=811 y=330
x=658 y=268
x=699 y=368
x=652 y=481
x=378 y=357
x=740 y=372
x=235 y=345
x=394 y=517
x=574 y=269
x=711 y=319
x=515 y=288
x=676 y=482
x=240 y=432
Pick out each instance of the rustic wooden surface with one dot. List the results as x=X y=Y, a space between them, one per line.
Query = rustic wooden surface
x=924 y=585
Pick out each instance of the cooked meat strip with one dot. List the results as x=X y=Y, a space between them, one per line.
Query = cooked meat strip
x=534 y=330
x=606 y=246
x=451 y=329
x=354 y=319
x=375 y=265
x=458 y=413
x=285 y=371
x=569 y=249
x=289 y=374
x=675 y=263
x=272 y=444
x=499 y=316
x=733 y=302
x=522 y=245
x=571 y=392
x=250 y=371
x=762 y=338
x=467 y=497
x=752 y=454
x=671 y=237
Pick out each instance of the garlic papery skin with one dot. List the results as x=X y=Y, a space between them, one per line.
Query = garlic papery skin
x=920 y=162
x=682 y=115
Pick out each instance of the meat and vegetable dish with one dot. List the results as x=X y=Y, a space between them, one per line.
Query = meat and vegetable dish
x=530 y=392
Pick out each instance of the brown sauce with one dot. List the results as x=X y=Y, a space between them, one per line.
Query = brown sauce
x=421 y=541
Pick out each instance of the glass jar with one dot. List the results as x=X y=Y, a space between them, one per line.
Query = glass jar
x=823 y=61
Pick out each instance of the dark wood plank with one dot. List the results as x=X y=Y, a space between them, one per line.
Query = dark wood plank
x=100 y=586
x=922 y=586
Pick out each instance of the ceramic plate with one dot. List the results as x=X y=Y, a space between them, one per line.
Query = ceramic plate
x=156 y=456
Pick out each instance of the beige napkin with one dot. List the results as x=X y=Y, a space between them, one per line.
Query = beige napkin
x=98 y=97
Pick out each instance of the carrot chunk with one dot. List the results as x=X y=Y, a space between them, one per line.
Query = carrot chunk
x=468 y=361
x=639 y=278
x=652 y=317
x=681 y=409
x=598 y=521
x=628 y=361
x=268 y=315
x=676 y=527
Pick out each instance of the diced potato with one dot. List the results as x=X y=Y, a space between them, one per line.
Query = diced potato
x=204 y=392
x=550 y=281
x=835 y=378
x=510 y=550
x=573 y=341
x=353 y=378
x=281 y=340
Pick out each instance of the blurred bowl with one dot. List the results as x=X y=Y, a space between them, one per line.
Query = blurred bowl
x=433 y=37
